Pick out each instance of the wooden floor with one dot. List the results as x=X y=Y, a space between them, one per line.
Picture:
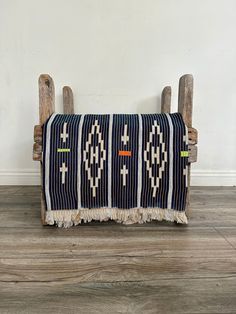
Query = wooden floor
x=112 y=268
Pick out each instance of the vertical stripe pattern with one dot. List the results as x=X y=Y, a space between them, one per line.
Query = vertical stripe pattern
x=110 y=160
x=115 y=161
x=169 y=203
x=124 y=165
x=140 y=145
x=79 y=161
x=47 y=140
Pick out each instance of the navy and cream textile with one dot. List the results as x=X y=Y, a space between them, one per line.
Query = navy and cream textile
x=127 y=167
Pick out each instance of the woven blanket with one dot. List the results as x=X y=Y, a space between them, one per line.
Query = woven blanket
x=131 y=168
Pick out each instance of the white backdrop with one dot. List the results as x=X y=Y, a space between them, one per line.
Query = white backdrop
x=117 y=55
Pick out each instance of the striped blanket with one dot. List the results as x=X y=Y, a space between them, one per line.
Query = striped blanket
x=126 y=167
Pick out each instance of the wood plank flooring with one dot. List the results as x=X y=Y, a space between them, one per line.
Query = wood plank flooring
x=113 y=268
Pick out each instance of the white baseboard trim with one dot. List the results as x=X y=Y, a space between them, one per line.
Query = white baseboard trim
x=199 y=177
x=20 y=177
x=213 y=178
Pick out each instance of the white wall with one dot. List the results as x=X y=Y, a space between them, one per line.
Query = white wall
x=117 y=55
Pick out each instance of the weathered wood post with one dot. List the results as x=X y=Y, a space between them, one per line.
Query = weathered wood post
x=68 y=100
x=46 y=109
x=185 y=107
x=166 y=100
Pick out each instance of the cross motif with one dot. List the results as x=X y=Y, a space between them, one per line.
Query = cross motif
x=124 y=172
x=63 y=170
x=125 y=137
x=64 y=135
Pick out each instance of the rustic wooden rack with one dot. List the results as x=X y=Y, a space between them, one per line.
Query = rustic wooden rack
x=47 y=107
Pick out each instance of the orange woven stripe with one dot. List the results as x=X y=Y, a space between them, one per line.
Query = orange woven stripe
x=124 y=153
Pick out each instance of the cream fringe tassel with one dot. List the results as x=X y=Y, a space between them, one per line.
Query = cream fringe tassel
x=68 y=218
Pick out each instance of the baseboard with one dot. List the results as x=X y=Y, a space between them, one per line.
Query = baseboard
x=20 y=177
x=213 y=178
x=199 y=177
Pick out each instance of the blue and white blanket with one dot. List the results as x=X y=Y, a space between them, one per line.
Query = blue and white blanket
x=127 y=167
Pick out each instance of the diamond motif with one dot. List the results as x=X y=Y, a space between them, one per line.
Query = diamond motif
x=91 y=156
x=155 y=155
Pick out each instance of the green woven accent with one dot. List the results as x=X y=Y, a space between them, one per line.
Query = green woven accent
x=63 y=150
x=184 y=153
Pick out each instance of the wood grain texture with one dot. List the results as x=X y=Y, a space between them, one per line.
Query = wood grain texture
x=166 y=100
x=37 y=152
x=68 y=100
x=46 y=108
x=185 y=98
x=192 y=136
x=192 y=150
x=46 y=97
x=38 y=134
x=112 y=268
x=185 y=107
x=163 y=296
x=37 y=147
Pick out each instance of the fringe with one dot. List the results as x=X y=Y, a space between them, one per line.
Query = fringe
x=68 y=218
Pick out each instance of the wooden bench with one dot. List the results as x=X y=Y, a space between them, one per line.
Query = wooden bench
x=47 y=107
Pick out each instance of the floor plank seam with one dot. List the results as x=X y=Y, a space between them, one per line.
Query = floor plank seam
x=120 y=281
x=223 y=236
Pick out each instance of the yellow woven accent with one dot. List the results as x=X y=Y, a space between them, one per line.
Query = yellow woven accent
x=63 y=150
x=184 y=153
